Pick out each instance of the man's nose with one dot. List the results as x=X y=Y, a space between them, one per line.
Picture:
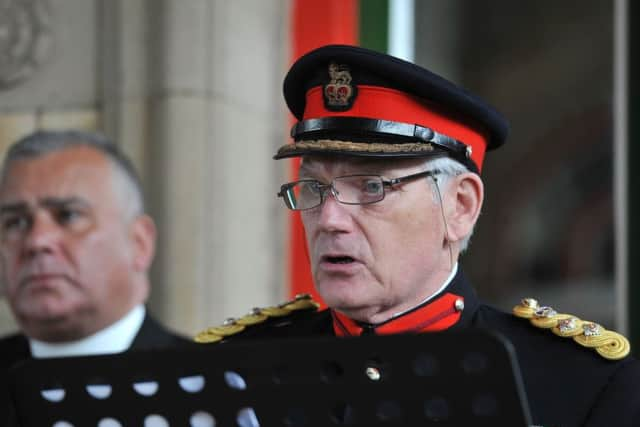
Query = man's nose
x=333 y=215
x=42 y=234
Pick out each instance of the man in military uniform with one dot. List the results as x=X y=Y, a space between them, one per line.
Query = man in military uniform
x=389 y=193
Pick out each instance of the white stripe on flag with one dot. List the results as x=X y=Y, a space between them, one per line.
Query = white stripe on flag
x=401 y=34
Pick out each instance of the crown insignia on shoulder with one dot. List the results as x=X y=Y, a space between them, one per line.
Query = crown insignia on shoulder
x=609 y=344
x=232 y=326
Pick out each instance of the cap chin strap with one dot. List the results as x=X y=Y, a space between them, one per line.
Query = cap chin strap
x=392 y=132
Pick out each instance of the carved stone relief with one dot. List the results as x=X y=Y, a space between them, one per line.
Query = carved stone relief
x=26 y=39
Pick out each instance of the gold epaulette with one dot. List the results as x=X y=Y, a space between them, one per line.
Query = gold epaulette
x=256 y=316
x=610 y=345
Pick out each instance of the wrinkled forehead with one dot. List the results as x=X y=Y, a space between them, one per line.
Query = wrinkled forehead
x=344 y=165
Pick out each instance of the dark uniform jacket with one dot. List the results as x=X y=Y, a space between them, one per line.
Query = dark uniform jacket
x=14 y=348
x=567 y=385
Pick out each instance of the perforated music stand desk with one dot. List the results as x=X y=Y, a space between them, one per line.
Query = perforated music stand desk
x=445 y=379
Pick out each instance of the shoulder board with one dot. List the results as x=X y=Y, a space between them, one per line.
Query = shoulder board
x=610 y=345
x=232 y=326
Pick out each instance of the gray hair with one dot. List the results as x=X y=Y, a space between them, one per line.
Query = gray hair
x=448 y=168
x=44 y=142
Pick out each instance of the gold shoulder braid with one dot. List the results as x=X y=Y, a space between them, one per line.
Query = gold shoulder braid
x=256 y=316
x=610 y=345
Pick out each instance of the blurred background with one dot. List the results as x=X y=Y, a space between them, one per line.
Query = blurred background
x=191 y=89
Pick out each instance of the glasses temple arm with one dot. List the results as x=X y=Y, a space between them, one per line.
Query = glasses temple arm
x=396 y=181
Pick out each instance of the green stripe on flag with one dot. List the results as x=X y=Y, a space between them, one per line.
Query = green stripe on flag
x=374 y=24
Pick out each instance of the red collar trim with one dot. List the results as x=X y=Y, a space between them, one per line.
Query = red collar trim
x=437 y=315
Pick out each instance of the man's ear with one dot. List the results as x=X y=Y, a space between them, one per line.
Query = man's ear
x=464 y=202
x=143 y=235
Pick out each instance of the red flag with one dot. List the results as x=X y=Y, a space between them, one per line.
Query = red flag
x=314 y=23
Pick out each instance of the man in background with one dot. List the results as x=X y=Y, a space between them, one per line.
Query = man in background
x=75 y=249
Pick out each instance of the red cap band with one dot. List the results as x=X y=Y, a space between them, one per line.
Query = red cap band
x=376 y=102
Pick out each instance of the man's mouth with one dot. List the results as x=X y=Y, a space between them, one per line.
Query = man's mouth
x=338 y=259
x=41 y=278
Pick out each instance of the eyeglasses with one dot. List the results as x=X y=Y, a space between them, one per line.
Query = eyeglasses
x=349 y=190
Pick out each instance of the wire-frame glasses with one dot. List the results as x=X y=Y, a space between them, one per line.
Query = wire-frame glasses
x=349 y=190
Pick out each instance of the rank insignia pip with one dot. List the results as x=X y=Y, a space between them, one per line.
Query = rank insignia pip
x=339 y=93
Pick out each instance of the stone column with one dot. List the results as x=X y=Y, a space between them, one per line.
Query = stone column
x=215 y=121
x=123 y=67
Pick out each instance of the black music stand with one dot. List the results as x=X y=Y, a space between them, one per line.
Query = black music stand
x=467 y=378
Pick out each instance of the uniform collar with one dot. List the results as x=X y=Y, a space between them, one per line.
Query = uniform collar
x=443 y=310
x=115 y=338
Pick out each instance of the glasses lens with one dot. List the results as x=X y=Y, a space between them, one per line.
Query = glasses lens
x=359 y=189
x=302 y=195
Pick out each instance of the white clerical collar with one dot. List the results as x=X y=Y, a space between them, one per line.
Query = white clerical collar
x=115 y=338
x=453 y=273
